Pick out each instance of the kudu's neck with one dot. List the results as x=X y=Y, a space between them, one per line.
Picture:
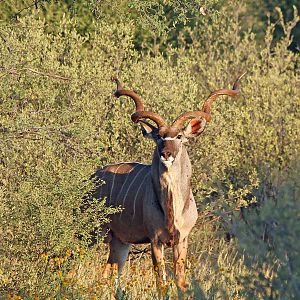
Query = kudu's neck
x=172 y=187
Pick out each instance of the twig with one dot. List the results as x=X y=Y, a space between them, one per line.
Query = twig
x=49 y=74
x=35 y=3
x=14 y=71
x=136 y=251
x=7 y=44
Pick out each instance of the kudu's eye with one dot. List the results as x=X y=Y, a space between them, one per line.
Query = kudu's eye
x=179 y=136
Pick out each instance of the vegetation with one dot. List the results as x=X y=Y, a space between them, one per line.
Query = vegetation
x=59 y=122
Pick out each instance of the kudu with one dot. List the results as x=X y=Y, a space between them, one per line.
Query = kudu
x=159 y=207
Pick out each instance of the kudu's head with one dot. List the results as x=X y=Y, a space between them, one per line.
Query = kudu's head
x=170 y=139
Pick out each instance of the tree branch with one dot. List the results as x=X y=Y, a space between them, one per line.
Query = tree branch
x=14 y=71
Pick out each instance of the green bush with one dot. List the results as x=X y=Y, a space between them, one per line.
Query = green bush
x=269 y=238
x=51 y=125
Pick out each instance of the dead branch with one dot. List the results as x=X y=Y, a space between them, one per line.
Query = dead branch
x=14 y=71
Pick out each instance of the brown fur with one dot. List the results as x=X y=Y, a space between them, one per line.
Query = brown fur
x=122 y=168
x=174 y=235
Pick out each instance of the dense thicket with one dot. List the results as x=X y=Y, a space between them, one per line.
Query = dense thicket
x=59 y=122
x=157 y=22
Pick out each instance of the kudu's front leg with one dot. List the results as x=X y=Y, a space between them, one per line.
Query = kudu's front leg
x=179 y=257
x=157 y=251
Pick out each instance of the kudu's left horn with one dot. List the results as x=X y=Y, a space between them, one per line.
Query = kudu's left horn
x=214 y=95
x=206 y=108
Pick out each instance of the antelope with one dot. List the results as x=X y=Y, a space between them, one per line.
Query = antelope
x=159 y=207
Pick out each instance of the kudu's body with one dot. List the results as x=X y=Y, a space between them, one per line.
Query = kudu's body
x=159 y=207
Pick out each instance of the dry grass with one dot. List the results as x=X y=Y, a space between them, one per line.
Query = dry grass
x=212 y=270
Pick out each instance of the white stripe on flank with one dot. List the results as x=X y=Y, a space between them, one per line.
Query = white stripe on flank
x=124 y=184
x=113 y=183
x=142 y=183
x=136 y=175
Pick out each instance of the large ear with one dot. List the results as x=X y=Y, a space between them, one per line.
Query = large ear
x=148 y=130
x=195 y=127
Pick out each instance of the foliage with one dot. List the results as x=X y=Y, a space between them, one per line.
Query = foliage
x=52 y=11
x=269 y=238
x=257 y=14
x=51 y=109
x=59 y=122
x=157 y=22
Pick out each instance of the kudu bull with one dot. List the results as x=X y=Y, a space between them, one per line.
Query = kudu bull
x=159 y=207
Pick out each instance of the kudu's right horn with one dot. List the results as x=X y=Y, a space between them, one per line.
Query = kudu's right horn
x=139 y=106
x=140 y=112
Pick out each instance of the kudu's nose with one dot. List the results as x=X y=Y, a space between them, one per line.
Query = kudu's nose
x=166 y=154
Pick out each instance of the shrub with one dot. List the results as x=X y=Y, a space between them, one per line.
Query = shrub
x=269 y=238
